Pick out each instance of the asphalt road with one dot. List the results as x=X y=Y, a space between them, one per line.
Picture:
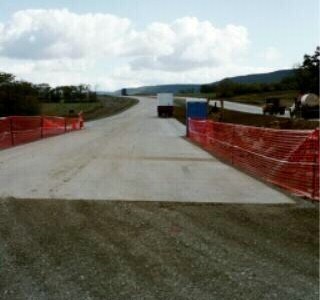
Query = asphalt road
x=130 y=156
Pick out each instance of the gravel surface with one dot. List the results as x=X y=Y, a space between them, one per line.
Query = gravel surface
x=57 y=249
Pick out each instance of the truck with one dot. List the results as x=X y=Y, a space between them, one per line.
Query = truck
x=273 y=106
x=165 y=105
x=306 y=106
x=124 y=92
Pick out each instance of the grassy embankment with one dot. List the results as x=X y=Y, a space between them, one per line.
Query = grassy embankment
x=287 y=97
x=236 y=117
x=106 y=106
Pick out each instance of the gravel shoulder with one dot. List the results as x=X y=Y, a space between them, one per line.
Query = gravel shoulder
x=57 y=249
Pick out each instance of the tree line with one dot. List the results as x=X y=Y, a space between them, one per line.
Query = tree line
x=24 y=98
x=305 y=79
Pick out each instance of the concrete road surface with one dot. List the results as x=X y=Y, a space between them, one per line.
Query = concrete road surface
x=130 y=156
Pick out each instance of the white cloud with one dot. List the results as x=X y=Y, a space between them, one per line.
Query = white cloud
x=271 y=54
x=52 y=34
x=62 y=47
x=191 y=44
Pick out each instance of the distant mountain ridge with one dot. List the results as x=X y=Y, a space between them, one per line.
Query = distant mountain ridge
x=271 y=77
x=167 y=88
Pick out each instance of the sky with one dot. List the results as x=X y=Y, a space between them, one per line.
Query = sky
x=129 y=43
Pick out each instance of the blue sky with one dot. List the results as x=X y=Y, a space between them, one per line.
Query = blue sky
x=276 y=35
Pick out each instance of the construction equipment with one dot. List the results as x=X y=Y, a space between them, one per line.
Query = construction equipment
x=165 y=105
x=306 y=106
x=273 y=106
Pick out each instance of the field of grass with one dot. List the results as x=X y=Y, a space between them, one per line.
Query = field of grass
x=287 y=97
x=63 y=109
x=237 y=117
x=106 y=106
x=198 y=95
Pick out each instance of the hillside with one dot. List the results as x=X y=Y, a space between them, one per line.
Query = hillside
x=169 y=88
x=271 y=77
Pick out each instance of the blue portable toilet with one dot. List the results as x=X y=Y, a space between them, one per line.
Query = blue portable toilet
x=196 y=108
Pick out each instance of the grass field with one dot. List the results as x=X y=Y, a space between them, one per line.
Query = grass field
x=62 y=109
x=106 y=106
x=198 y=95
x=287 y=97
x=237 y=117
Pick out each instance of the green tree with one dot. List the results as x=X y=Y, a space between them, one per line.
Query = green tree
x=44 y=90
x=226 y=88
x=18 y=98
x=307 y=74
x=6 y=78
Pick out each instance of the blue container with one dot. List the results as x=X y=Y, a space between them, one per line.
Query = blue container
x=196 y=109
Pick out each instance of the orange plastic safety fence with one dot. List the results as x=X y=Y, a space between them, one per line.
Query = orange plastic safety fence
x=73 y=124
x=53 y=126
x=25 y=129
x=287 y=158
x=18 y=130
x=5 y=133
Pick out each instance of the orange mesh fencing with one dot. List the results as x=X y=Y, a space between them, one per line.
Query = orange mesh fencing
x=53 y=126
x=16 y=130
x=5 y=133
x=25 y=129
x=286 y=158
x=73 y=124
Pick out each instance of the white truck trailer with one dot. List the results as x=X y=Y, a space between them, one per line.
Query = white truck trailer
x=165 y=105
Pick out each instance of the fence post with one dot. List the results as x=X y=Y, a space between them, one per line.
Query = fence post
x=41 y=127
x=11 y=131
x=80 y=116
x=188 y=125
x=315 y=167
x=232 y=144
x=65 y=124
x=208 y=123
x=222 y=110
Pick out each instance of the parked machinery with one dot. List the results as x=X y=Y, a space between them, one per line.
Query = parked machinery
x=165 y=105
x=273 y=106
x=305 y=106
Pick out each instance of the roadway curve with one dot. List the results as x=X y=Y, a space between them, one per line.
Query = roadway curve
x=130 y=156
